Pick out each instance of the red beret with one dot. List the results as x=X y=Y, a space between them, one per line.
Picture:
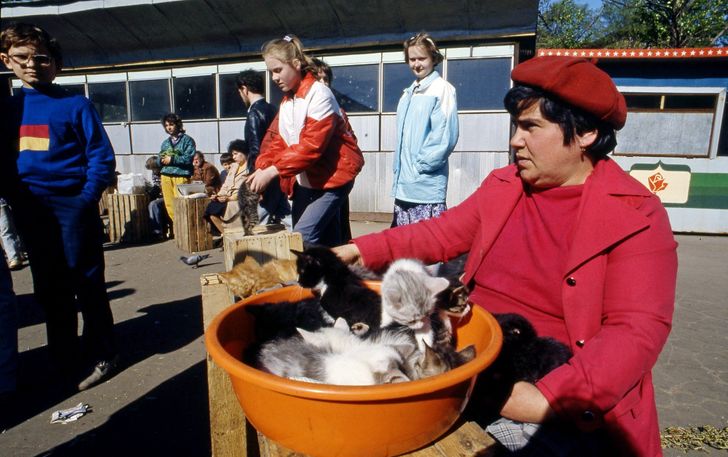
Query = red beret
x=577 y=82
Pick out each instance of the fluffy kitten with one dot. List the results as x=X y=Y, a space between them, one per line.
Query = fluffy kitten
x=282 y=319
x=343 y=293
x=247 y=209
x=332 y=355
x=409 y=297
x=249 y=276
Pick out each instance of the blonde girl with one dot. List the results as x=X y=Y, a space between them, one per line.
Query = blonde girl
x=309 y=146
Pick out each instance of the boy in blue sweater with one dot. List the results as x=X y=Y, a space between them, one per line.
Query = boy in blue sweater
x=61 y=162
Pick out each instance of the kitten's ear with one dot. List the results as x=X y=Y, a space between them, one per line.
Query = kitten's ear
x=405 y=349
x=437 y=284
x=309 y=337
x=467 y=354
x=394 y=375
x=341 y=324
x=296 y=253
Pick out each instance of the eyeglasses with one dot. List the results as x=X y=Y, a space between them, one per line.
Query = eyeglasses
x=24 y=59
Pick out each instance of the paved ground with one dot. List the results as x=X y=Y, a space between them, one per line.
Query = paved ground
x=157 y=405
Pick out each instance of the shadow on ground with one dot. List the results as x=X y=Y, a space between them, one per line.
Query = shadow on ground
x=171 y=419
x=159 y=329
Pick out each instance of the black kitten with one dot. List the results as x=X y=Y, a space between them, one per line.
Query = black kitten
x=343 y=293
x=280 y=320
x=524 y=356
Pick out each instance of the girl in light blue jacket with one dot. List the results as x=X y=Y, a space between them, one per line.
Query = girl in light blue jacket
x=427 y=131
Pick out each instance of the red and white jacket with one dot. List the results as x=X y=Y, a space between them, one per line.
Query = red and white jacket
x=310 y=141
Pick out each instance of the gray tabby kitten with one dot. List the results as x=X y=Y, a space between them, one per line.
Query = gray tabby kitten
x=248 y=209
x=409 y=298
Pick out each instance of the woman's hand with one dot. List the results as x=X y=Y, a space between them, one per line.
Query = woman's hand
x=260 y=179
x=348 y=253
x=166 y=160
x=527 y=404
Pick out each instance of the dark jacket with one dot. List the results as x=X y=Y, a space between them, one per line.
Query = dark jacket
x=260 y=115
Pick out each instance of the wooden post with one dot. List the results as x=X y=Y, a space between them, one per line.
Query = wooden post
x=128 y=218
x=227 y=421
x=270 y=242
x=190 y=229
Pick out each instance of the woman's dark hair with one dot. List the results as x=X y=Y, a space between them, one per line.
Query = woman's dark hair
x=251 y=79
x=174 y=119
x=199 y=155
x=238 y=145
x=572 y=121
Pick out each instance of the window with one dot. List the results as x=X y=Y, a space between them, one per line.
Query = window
x=231 y=105
x=109 y=99
x=355 y=87
x=149 y=99
x=664 y=121
x=75 y=89
x=481 y=84
x=397 y=77
x=194 y=97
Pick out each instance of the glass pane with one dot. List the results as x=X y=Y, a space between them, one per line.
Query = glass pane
x=231 y=105
x=109 y=99
x=690 y=102
x=149 y=99
x=480 y=83
x=355 y=87
x=194 y=97
x=642 y=101
x=397 y=77
x=75 y=89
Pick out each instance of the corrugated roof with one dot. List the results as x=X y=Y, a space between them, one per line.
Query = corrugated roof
x=122 y=32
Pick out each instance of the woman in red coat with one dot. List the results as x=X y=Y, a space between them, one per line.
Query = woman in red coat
x=566 y=238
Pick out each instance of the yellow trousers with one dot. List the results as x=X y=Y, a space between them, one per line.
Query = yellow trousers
x=169 y=191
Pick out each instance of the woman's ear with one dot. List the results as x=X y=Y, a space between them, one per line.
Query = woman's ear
x=586 y=139
x=296 y=63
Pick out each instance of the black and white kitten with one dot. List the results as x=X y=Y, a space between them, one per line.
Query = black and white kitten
x=342 y=293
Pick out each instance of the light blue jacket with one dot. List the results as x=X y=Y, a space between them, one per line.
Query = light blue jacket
x=427 y=131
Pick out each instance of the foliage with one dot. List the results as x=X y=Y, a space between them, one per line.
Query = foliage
x=634 y=24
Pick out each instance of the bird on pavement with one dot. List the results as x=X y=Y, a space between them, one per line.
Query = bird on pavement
x=194 y=260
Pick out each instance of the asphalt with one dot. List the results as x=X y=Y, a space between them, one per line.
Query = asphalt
x=157 y=403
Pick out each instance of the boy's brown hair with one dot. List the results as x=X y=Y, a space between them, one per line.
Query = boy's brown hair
x=23 y=34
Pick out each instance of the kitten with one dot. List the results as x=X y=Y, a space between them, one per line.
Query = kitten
x=524 y=356
x=282 y=319
x=249 y=277
x=432 y=362
x=332 y=355
x=409 y=297
x=247 y=209
x=343 y=293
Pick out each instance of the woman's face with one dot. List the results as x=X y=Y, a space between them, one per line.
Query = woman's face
x=170 y=128
x=542 y=159
x=287 y=76
x=239 y=157
x=420 y=61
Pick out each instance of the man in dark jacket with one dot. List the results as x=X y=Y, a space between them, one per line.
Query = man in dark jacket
x=274 y=207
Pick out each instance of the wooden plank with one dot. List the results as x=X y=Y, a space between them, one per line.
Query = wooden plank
x=190 y=229
x=467 y=440
x=264 y=246
x=227 y=421
x=128 y=217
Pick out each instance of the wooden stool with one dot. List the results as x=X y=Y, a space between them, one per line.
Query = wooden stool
x=128 y=218
x=233 y=436
x=190 y=229
x=267 y=242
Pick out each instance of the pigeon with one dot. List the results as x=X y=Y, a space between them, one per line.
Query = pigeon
x=194 y=260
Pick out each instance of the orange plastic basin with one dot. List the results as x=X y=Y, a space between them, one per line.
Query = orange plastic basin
x=326 y=420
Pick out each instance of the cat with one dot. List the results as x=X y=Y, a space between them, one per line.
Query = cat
x=247 y=209
x=249 y=277
x=434 y=362
x=342 y=292
x=524 y=356
x=332 y=355
x=282 y=319
x=409 y=298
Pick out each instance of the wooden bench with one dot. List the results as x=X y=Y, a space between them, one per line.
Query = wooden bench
x=128 y=218
x=233 y=436
x=191 y=233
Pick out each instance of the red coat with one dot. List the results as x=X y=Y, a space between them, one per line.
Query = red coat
x=310 y=136
x=618 y=291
